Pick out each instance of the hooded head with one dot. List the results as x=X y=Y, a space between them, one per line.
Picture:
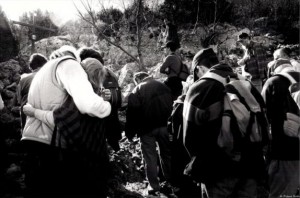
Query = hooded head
x=202 y=61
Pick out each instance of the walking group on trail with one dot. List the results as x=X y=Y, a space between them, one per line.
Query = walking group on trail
x=211 y=132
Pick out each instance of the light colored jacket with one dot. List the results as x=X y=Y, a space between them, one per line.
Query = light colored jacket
x=44 y=93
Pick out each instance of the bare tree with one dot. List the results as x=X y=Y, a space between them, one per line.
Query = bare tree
x=141 y=24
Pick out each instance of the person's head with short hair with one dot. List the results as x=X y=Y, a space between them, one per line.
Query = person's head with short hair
x=96 y=72
x=170 y=46
x=244 y=39
x=36 y=61
x=87 y=52
x=139 y=77
x=65 y=50
x=203 y=61
x=282 y=53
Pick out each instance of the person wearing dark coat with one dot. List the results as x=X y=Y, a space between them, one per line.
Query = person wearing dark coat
x=149 y=106
x=284 y=156
x=222 y=176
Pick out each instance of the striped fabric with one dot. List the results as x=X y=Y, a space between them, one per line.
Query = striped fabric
x=79 y=132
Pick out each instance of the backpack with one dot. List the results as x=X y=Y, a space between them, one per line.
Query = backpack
x=112 y=84
x=243 y=119
x=184 y=72
x=292 y=122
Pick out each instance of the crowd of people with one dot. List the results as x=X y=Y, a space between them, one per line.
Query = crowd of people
x=68 y=117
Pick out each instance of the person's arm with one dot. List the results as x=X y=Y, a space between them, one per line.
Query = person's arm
x=73 y=78
x=164 y=69
x=246 y=57
x=42 y=115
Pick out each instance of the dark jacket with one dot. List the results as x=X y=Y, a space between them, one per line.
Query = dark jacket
x=201 y=131
x=149 y=106
x=279 y=101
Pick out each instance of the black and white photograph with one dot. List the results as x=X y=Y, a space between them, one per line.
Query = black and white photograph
x=149 y=99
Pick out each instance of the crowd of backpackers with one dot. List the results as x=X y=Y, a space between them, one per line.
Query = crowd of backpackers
x=219 y=134
x=233 y=132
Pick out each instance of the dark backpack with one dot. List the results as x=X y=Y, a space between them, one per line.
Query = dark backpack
x=112 y=84
x=292 y=121
x=184 y=72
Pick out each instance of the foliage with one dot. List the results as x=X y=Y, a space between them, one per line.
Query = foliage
x=266 y=16
x=202 y=11
x=24 y=34
x=42 y=19
x=111 y=15
x=79 y=32
x=281 y=16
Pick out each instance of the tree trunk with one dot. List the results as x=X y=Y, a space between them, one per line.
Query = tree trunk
x=139 y=16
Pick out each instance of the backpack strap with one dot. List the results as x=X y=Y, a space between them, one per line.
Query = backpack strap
x=288 y=76
x=243 y=87
x=211 y=75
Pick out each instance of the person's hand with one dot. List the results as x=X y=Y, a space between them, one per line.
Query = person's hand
x=106 y=94
x=56 y=54
x=28 y=110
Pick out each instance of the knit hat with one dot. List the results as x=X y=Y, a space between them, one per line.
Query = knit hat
x=280 y=64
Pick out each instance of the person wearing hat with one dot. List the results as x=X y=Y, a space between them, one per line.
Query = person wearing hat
x=171 y=66
x=254 y=60
x=284 y=155
x=202 y=122
x=149 y=106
